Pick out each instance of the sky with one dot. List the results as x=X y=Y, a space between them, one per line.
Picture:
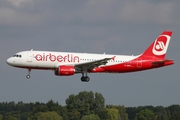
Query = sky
x=89 y=26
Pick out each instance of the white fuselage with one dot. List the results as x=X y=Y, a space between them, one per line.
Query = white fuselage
x=51 y=60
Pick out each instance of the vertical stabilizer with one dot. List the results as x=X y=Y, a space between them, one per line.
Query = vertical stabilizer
x=159 y=47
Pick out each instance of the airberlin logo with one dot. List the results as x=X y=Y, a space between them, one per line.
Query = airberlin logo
x=56 y=58
x=161 y=44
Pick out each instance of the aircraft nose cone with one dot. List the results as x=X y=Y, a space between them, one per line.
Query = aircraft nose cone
x=9 y=61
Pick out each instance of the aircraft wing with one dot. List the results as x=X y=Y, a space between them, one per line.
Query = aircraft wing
x=91 y=65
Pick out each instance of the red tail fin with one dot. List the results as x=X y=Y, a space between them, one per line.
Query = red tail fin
x=159 y=47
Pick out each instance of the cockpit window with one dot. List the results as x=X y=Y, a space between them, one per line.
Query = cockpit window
x=17 y=56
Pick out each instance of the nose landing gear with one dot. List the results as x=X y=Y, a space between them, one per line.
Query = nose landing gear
x=28 y=76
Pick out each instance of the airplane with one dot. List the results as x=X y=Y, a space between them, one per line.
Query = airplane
x=70 y=63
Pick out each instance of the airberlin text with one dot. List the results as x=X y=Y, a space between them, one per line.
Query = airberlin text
x=56 y=58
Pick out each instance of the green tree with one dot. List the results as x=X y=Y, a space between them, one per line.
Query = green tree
x=13 y=114
x=85 y=103
x=121 y=111
x=175 y=115
x=25 y=115
x=131 y=111
x=1 y=117
x=112 y=113
x=103 y=114
x=108 y=114
x=40 y=108
x=174 y=112
x=145 y=115
x=173 y=108
x=10 y=118
x=74 y=115
x=62 y=111
x=54 y=106
x=46 y=116
x=90 y=117
x=161 y=112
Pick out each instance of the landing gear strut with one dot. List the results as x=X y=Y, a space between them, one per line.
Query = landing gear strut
x=28 y=76
x=85 y=78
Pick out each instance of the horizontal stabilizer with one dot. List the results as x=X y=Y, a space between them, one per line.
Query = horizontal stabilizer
x=162 y=62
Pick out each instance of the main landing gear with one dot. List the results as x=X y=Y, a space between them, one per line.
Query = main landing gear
x=85 y=78
x=28 y=76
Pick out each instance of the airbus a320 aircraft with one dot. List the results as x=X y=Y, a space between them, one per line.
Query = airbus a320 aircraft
x=69 y=63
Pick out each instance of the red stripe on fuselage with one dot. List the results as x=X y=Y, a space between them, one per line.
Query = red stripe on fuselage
x=137 y=64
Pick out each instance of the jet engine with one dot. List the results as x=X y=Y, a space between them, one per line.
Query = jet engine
x=64 y=70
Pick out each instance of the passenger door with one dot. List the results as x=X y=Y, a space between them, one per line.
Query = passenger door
x=29 y=57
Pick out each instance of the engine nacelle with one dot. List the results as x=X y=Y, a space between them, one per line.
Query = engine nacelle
x=64 y=70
